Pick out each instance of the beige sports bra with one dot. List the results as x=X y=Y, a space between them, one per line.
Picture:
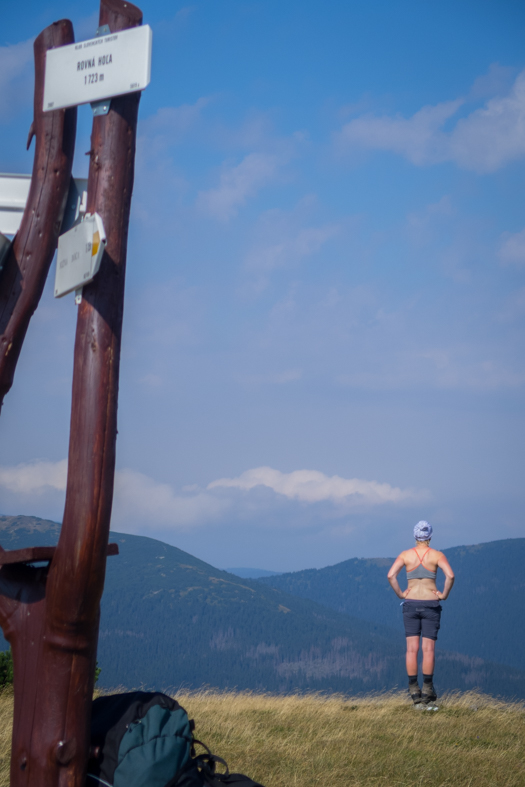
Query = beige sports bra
x=420 y=572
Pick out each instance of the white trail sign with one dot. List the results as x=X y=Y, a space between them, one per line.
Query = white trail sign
x=103 y=67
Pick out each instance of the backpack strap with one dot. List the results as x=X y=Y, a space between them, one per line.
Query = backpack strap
x=208 y=761
x=208 y=764
x=232 y=780
x=225 y=778
x=201 y=771
x=205 y=764
x=192 y=773
x=98 y=779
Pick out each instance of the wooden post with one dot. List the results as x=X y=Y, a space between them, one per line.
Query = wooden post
x=51 y=616
x=27 y=265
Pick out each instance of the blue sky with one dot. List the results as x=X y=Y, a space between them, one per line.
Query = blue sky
x=323 y=336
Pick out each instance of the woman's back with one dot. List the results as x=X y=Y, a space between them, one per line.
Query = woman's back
x=421 y=565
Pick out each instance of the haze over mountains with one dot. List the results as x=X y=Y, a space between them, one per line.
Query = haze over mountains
x=169 y=619
x=252 y=573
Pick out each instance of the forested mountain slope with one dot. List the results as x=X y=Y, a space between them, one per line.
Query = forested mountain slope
x=482 y=617
x=169 y=619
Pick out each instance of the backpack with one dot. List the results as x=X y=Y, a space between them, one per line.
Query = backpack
x=145 y=739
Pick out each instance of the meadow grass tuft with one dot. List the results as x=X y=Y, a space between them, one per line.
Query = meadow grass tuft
x=334 y=741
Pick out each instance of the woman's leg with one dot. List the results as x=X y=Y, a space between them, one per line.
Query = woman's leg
x=429 y=655
x=412 y=651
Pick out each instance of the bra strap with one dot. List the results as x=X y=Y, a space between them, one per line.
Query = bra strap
x=421 y=558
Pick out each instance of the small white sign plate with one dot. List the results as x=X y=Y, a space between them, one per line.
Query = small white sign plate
x=13 y=197
x=102 y=67
x=79 y=255
x=14 y=190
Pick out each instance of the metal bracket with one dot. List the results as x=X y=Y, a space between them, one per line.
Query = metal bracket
x=76 y=204
x=101 y=107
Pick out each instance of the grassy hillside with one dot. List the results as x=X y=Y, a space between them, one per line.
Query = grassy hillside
x=381 y=741
x=171 y=620
x=479 y=618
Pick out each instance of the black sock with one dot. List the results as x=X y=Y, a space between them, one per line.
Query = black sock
x=428 y=678
x=412 y=680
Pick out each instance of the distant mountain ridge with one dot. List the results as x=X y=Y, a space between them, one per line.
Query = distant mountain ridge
x=482 y=616
x=169 y=619
x=252 y=573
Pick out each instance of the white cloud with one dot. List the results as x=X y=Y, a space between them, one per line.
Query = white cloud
x=161 y=184
x=361 y=338
x=485 y=140
x=305 y=242
x=512 y=249
x=283 y=239
x=495 y=82
x=182 y=15
x=238 y=183
x=417 y=138
x=312 y=486
x=141 y=503
x=445 y=368
x=34 y=477
x=491 y=137
x=169 y=124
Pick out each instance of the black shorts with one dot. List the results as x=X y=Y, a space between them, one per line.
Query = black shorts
x=422 y=618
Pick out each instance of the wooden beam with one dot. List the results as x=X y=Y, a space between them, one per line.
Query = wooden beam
x=26 y=266
x=9 y=557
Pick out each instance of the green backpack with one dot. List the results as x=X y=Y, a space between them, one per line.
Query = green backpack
x=145 y=739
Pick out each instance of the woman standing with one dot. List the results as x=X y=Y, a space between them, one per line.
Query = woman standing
x=421 y=608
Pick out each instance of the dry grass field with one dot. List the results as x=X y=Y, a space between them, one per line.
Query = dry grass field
x=375 y=741
x=6 y=724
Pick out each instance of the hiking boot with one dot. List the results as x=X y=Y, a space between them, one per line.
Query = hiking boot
x=415 y=694
x=428 y=695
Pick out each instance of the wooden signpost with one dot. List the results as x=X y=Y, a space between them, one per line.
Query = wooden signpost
x=50 y=614
x=26 y=264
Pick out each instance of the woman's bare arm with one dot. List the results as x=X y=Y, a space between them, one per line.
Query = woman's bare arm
x=393 y=574
x=444 y=565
